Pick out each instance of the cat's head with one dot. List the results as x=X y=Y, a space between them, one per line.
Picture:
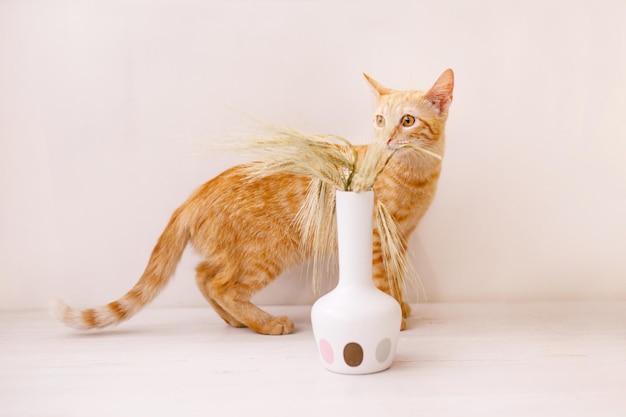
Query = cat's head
x=413 y=116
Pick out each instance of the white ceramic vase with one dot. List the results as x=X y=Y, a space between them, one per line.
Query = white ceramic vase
x=356 y=326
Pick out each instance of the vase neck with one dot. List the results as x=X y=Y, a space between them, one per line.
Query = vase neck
x=354 y=237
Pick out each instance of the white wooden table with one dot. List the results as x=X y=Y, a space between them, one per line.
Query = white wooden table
x=529 y=359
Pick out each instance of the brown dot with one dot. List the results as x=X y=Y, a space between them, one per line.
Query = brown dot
x=353 y=354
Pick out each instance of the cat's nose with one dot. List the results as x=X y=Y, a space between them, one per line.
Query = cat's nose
x=390 y=140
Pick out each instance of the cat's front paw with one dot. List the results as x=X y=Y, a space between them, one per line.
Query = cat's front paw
x=406 y=309
x=277 y=326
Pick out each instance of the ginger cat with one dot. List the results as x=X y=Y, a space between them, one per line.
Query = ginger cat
x=245 y=232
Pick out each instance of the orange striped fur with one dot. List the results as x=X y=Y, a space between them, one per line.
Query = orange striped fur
x=244 y=229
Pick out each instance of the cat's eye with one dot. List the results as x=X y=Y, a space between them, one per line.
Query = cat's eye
x=380 y=120
x=408 y=120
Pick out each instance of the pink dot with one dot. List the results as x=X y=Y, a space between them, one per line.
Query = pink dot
x=326 y=351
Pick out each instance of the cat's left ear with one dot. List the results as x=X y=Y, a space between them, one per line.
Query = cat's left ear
x=440 y=94
x=380 y=90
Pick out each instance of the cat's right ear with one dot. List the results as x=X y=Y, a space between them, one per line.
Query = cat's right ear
x=378 y=88
x=440 y=94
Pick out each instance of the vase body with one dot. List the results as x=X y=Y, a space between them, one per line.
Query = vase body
x=356 y=326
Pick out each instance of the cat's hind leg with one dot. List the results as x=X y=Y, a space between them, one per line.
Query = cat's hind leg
x=204 y=274
x=230 y=292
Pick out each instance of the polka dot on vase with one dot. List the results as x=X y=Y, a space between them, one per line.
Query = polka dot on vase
x=353 y=354
x=383 y=350
x=326 y=350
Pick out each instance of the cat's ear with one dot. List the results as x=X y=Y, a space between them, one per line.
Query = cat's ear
x=378 y=88
x=440 y=94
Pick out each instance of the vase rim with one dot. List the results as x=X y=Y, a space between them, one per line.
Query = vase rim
x=354 y=192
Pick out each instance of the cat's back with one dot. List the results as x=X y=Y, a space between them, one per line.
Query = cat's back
x=237 y=189
x=234 y=208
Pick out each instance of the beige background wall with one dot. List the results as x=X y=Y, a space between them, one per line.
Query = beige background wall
x=104 y=106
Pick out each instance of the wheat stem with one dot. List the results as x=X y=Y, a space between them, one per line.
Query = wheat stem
x=332 y=163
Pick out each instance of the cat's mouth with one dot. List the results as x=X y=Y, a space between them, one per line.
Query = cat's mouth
x=393 y=144
x=401 y=145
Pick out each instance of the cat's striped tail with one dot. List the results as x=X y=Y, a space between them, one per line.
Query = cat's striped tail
x=161 y=266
